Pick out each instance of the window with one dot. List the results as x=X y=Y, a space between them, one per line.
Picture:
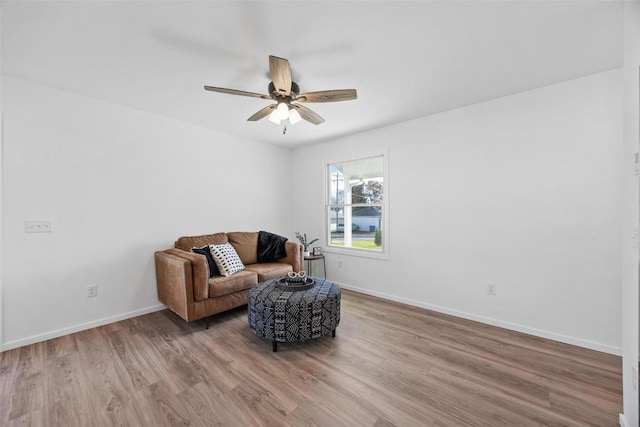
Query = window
x=356 y=206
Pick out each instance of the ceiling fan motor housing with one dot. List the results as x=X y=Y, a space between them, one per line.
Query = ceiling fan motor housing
x=295 y=89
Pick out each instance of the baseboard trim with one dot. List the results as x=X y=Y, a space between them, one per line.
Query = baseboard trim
x=622 y=420
x=78 y=328
x=490 y=321
x=495 y=322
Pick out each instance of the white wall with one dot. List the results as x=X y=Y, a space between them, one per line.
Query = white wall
x=630 y=296
x=1 y=199
x=522 y=192
x=118 y=185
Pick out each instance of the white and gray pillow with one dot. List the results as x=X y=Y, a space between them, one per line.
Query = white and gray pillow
x=226 y=258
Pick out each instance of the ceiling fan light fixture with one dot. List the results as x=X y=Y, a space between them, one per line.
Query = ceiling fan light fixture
x=283 y=111
x=294 y=116
x=274 y=118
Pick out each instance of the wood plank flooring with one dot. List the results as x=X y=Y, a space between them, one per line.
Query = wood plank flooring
x=389 y=365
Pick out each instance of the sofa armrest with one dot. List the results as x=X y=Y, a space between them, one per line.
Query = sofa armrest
x=294 y=255
x=200 y=271
x=174 y=282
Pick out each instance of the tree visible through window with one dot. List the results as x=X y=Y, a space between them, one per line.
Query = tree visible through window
x=356 y=204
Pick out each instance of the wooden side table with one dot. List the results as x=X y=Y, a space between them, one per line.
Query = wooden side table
x=309 y=259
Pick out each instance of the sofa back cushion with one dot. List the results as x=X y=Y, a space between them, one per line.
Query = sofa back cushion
x=246 y=245
x=187 y=242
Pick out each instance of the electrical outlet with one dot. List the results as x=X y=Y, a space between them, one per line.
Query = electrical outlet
x=339 y=263
x=491 y=289
x=92 y=291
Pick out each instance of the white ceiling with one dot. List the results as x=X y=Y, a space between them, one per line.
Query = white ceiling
x=406 y=59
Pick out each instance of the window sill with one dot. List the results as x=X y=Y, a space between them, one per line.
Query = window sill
x=362 y=253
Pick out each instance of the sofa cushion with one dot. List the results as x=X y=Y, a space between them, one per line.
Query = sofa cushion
x=246 y=244
x=270 y=270
x=220 y=285
x=226 y=259
x=213 y=268
x=187 y=242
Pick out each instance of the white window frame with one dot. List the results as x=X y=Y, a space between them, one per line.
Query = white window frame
x=342 y=250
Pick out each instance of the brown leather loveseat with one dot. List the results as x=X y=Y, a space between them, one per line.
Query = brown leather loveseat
x=184 y=282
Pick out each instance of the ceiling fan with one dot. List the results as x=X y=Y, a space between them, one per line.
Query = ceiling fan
x=287 y=94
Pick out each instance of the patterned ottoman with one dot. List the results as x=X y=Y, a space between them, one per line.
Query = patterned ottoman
x=294 y=316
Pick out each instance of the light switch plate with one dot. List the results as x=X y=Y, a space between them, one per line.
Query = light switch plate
x=37 y=226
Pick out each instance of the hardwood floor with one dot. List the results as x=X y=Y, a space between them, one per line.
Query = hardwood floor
x=389 y=365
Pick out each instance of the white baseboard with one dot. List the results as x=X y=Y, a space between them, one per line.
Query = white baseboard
x=622 y=420
x=495 y=322
x=77 y=328
x=490 y=321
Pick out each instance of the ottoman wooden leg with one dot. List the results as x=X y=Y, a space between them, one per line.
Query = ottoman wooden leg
x=275 y=346
x=333 y=333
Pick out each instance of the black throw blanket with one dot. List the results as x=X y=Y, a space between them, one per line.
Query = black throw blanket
x=270 y=247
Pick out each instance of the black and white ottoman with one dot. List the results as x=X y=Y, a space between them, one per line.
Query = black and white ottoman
x=282 y=315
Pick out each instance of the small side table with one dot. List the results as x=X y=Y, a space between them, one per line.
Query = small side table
x=310 y=260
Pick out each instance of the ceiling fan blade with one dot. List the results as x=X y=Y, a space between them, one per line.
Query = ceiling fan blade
x=328 y=95
x=280 y=74
x=236 y=92
x=308 y=114
x=262 y=113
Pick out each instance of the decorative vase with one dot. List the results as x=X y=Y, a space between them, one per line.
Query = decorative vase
x=307 y=253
